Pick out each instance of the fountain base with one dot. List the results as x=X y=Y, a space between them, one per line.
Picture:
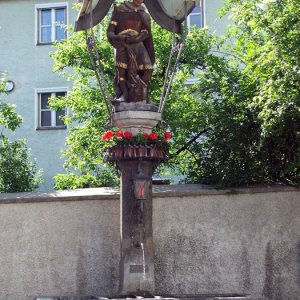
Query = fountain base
x=178 y=297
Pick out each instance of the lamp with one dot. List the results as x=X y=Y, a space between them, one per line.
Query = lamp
x=141 y=185
x=10 y=85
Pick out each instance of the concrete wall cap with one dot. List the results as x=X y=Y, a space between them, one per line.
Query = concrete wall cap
x=160 y=191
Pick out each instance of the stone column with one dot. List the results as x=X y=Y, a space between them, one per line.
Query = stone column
x=136 y=263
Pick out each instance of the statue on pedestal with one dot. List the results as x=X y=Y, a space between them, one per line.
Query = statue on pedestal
x=129 y=32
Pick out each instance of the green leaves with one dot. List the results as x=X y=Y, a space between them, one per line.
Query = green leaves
x=237 y=123
x=9 y=119
x=266 y=101
x=17 y=172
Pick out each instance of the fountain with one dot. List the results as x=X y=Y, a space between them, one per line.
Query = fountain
x=134 y=114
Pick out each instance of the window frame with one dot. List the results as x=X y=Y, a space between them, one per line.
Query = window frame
x=201 y=14
x=38 y=108
x=53 y=7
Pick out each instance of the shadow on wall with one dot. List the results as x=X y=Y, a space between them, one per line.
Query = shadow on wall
x=278 y=261
x=298 y=264
x=269 y=273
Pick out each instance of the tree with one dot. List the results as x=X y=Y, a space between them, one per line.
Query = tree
x=267 y=38
x=17 y=172
x=9 y=119
x=84 y=149
x=238 y=124
x=85 y=163
x=253 y=99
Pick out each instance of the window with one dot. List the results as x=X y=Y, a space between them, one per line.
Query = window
x=51 y=20
x=196 y=17
x=47 y=118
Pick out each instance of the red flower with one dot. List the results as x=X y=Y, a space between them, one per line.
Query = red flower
x=146 y=135
x=107 y=135
x=119 y=134
x=153 y=136
x=168 y=135
x=127 y=135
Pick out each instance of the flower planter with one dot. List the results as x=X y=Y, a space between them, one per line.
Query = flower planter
x=142 y=151
x=136 y=151
x=152 y=152
x=126 y=152
x=129 y=151
x=118 y=152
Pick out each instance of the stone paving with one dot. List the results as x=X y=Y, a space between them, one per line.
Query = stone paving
x=195 y=297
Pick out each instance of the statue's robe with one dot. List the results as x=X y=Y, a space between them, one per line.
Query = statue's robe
x=129 y=20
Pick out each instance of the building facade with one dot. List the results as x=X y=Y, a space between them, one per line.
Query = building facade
x=27 y=31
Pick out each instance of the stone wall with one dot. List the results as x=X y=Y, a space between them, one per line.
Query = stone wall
x=206 y=241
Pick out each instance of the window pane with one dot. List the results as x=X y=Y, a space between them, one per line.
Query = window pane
x=46 y=118
x=196 y=10
x=44 y=100
x=46 y=17
x=60 y=94
x=46 y=34
x=60 y=15
x=59 y=33
x=60 y=113
x=195 y=20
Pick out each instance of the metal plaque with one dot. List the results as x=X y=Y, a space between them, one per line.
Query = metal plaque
x=138 y=269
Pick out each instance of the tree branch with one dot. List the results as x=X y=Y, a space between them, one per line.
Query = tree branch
x=230 y=54
x=191 y=141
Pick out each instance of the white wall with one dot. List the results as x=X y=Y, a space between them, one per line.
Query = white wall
x=206 y=241
x=30 y=67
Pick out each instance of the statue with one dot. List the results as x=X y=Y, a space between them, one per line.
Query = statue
x=129 y=32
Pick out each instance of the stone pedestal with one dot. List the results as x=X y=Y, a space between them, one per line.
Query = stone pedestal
x=143 y=117
x=136 y=264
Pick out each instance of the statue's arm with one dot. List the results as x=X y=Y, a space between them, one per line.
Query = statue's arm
x=137 y=39
x=115 y=39
x=144 y=33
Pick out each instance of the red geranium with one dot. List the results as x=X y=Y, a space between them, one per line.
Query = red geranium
x=168 y=135
x=107 y=135
x=153 y=136
x=146 y=135
x=119 y=134
x=127 y=135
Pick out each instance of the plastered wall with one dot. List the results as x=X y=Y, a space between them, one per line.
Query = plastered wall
x=205 y=240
